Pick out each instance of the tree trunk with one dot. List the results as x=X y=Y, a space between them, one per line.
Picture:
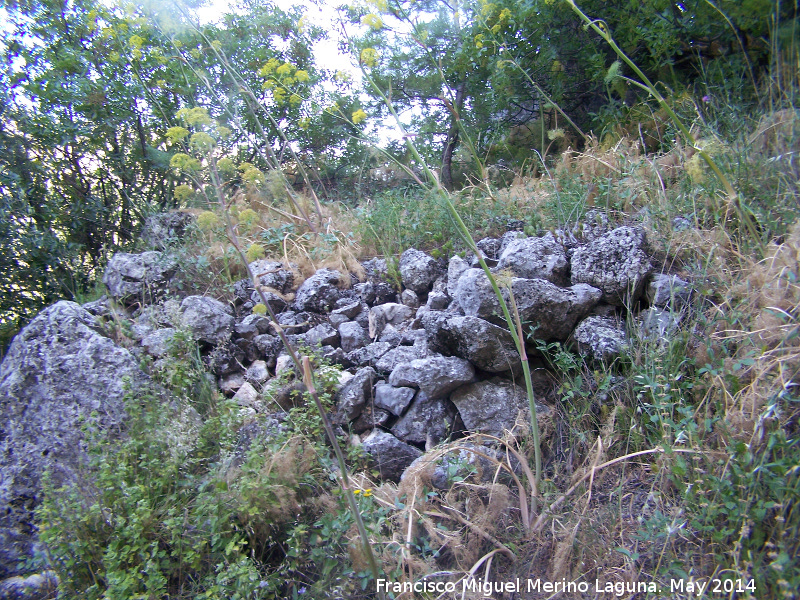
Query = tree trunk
x=452 y=136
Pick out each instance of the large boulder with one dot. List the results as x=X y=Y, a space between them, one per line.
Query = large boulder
x=493 y=406
x=616 y=263
x=418 y=270
x=389 y=455
x=437 y=376
x=536 y=258
x=602 y=338
x=208 y=320
x=61 y=377
x=138 y=278
x=544 y=307
x=489 y=347
x=319 y=292
x=354 y=395
x=273 y=274
x=427 y=421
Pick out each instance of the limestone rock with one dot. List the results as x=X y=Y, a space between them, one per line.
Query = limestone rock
x=437 y=376
x=427 y=421
x=600 y=337
x=455 y=268
x=354 y=395
x=323 y=334
x=273 y=274
x=487 y=346
x=551 y=310
x=40 y=586
x=390 y=455
x=208 y=319
x=369 y=354
x=616 y=263
x=493 y=406
x=668 y=291
x=536 y=258
x=393 y=399
x=138 y=278
x=157 y=343
x=399 y=355
x=319 y=292
x=418 y=270
x=409 y=298
x=352 y=336
x=257 y=372
x=61 y=374
x=389 y=313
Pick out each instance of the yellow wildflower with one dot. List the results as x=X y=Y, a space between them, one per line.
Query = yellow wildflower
x=372 y=20
x=369 y=57
x=284 y=69
x=359 y=116
x=301 y=76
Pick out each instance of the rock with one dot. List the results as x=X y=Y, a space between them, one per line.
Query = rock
x=99 y=308
x=164 y=229
x=391 y=336
x=658 y=324
x=455 y=268
x=370 y=418
x=282 y=363
x=352 y=336
x=319 y=292
x=60 y=377
x=427 y=421
x=354 y=395
x=323 y=334
x=418 y=270
x=600 y=337
x=489 y=347
x=257 y=373
x=138 y=278
x=544 y=307
x=272 y=274
x=681 y=224
x=269 y=347
x=437 y=301
x=410 y=299
x=391 y=313
x=276 y=303
x=157 y=343
x=369 y=354
x=494 y=407
x=668 y=291
x=294 y=322
x=224 y=359
x=507 y=238
x=536 y=258
x=365 y=291
x=616 y=263
x=349 y=310
x=208 y=320
x=593 y=226
x=393 y=399
x=397 y=356
x=40 y=586
x=376 y=270
x=247 y=396
x=437 y=376
x=389 y=455
x=490 y=247
x=229 y=384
